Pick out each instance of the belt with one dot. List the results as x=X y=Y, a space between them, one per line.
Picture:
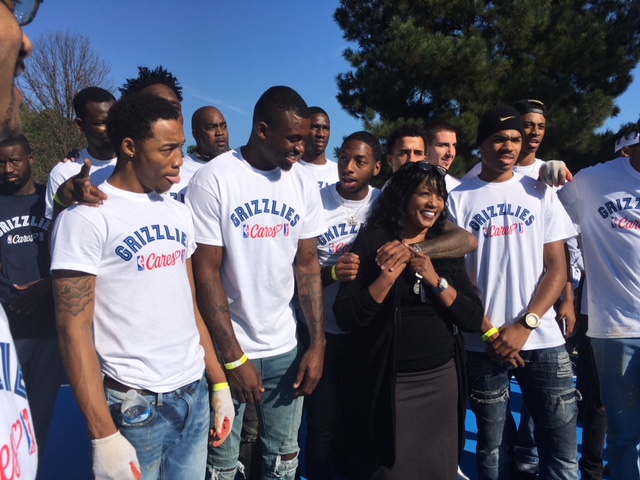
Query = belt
x=120 y=387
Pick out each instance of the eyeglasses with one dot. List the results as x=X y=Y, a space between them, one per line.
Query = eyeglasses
x=25 y=10
x=426 y=166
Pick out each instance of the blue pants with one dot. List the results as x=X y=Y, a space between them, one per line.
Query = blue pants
x=279 y=417
x=618 y=363
x=550 y=396
x=172 y=443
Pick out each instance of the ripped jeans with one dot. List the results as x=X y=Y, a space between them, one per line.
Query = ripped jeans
x=279 y=417
x=549 y=394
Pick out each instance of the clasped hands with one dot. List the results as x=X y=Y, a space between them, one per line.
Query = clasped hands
x=504 y=347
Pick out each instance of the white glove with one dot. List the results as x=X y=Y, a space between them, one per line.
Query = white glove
x=222 y=414
x=555 y=173
x=114 y=458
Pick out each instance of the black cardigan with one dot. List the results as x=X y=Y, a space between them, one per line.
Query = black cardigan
x=369 y=407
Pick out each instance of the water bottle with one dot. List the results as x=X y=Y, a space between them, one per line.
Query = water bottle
x=134 y=408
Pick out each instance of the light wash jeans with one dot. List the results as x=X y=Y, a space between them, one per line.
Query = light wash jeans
x=618 y=363
x=279 y=417
x=172 y=443
x=548 y=391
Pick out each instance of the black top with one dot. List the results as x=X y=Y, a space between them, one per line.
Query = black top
x=385 y=342
x=24 y=257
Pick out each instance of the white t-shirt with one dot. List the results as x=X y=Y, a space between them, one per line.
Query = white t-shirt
x=604 y=202
x=451 y=182
x=512 y=221
x=100 y=171
x=326 y=174
x=191 y=164
x=18 y=447
x=259 y=217
x=137 y=245
x=532 y=170
x=337 y=239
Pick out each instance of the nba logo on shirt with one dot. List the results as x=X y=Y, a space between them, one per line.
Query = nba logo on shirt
x=183 y=253
x=140 y=261
x=286 y=229
x=332 y=249
x=245 y=231
x=613 y=221
x=520 y=227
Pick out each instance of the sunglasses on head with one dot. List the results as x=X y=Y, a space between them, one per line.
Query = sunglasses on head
x=429 y=166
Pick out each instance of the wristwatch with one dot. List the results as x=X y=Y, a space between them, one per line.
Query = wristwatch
x=530 y=320
x=442 y=285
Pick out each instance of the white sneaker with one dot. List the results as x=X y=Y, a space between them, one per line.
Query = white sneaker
x=462 y=476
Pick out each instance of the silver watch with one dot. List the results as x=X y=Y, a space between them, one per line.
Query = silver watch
x=531 y=320
x=442 y=285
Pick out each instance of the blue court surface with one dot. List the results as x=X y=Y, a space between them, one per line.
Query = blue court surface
x=68 y=453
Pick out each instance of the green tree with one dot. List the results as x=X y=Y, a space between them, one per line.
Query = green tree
x=51 y=136
x=453 y=59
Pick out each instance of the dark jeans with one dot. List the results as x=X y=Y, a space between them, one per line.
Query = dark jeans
x=547 y=388
x=594 y=416
x=323 y=409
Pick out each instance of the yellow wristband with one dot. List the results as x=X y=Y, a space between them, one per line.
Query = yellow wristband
x=220 y=386
x=489 y=333
x=334 y=275
x=237 y=363
x=58 y=201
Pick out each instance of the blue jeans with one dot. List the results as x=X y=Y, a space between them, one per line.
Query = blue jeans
x=279 y=417
x=548 y=391
x=618 y=363
x=526 y=451
x=172 y=442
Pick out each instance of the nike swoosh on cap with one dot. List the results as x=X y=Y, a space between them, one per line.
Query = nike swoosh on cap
x=502 y=119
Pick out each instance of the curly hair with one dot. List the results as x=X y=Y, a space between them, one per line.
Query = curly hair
x=147 y=77
x=133 y=116
x=369 y=139
x=390 y=210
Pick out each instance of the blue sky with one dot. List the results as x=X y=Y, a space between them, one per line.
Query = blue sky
x=227 y=53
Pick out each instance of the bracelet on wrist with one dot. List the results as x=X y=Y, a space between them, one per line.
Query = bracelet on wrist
x=56 y=199
x=220 y=386
x=241 y=361
x=489 y=333
x=334 y=275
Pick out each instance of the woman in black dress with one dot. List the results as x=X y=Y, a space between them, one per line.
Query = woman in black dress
x=403 y=385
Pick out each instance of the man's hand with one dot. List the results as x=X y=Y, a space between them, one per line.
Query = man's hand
x=246 y=383
x=505 y=347
x=309 y=371
x=222 y=415
x=33 y=293
x=392 y=255
x=567 y=311
x=79 y=189
x=72 y=156
x=347 y=267
x=555 y=173
x=421 y=263
x=114 y=458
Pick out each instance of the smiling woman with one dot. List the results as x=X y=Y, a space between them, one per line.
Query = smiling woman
x=404 y=325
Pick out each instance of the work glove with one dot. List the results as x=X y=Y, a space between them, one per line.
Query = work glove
x=222 y=413
x=555 y=173
x=114 y=458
